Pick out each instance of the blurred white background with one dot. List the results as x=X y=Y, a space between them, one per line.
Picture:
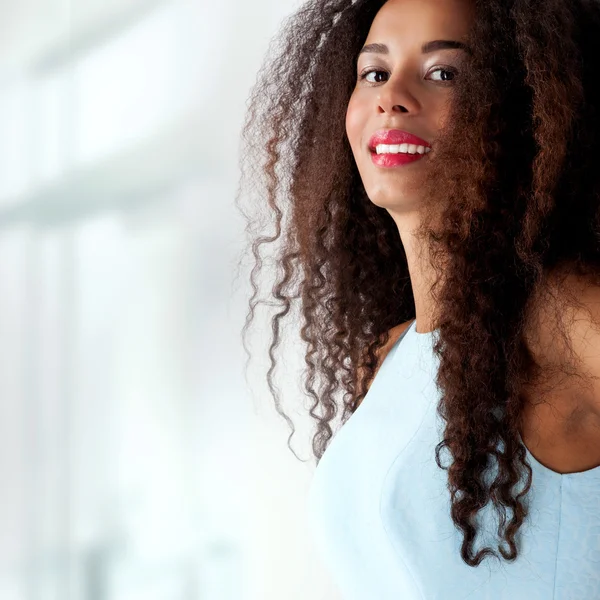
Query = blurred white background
x=134 y=461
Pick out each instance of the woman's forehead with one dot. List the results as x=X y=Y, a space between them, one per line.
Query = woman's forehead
x=410 y=21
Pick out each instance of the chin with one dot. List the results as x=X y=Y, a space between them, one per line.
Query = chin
x=378 y=198
x=383 y=201
x=384 y=194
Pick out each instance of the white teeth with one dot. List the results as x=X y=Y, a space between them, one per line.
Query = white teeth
x=401 y=148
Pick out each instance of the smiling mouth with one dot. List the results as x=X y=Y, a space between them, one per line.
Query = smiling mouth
x=395 y=159
x=400 y=149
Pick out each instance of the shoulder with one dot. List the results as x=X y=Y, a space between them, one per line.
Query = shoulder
x=566 y=310
x=394 y=333
x=564 y=332
x=398 y=330
x=584 y=337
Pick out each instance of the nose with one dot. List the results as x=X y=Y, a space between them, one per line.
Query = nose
x=394 y=97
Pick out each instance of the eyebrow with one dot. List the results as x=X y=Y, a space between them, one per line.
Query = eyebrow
x=425 y=48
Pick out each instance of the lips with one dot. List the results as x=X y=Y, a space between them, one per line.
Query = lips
x=395 y=136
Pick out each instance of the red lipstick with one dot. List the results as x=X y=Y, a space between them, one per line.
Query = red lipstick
x=395 y=137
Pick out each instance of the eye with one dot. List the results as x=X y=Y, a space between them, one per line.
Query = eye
x=368 y=72
x=446 y=70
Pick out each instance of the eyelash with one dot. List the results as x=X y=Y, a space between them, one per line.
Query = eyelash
x=440 y=68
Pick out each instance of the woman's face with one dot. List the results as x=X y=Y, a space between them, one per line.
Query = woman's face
x=402 y=86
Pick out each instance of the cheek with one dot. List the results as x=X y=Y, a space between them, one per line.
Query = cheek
x=442 y=112
x=354 y=122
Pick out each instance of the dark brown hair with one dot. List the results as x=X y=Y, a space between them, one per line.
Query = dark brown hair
x=514 y=198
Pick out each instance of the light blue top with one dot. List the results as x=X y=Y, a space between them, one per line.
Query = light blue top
x=379 y=509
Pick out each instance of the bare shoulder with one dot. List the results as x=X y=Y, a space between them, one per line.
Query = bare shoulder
x=563 y=335
x=398 y=330
x=395 y=332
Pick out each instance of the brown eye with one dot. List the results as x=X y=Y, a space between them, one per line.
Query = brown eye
x=364 y=75
x=446 y=70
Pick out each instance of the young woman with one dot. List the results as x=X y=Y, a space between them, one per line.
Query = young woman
x=431 y=167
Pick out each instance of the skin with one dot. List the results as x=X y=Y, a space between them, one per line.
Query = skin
x=561 y=419
x=406 y=92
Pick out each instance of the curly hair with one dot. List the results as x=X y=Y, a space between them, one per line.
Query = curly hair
x=514 y=199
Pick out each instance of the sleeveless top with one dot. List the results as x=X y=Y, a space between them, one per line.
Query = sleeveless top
x=378 y=506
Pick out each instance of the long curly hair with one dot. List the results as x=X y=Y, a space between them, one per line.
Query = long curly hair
x=514 y=199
